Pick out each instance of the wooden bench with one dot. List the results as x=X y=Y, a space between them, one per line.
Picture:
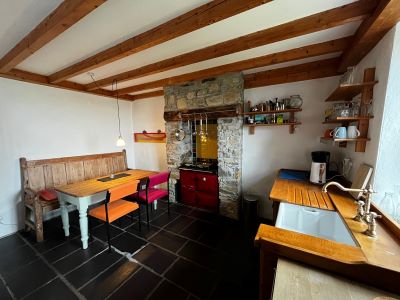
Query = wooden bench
x=45 y=174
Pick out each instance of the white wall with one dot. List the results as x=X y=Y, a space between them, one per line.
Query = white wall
x=148 y=114
x=273 y=148
x=378 y=58
x=41 y=122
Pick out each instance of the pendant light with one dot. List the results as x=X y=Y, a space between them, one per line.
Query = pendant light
x=120 y=140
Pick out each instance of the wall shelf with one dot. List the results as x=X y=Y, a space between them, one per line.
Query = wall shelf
x=291 y=124
x=346 y=92
x=347 y=119
x=254 y=113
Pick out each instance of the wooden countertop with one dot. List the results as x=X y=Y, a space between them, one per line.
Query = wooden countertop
x=93 y=186
x=301 y=193
x=297 y=281
x=375 y=260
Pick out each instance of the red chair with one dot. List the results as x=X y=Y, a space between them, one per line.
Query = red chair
x=115 y=207
x=147 y=193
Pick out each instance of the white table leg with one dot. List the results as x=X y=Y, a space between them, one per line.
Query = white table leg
x=64 y=215
x=83 y=223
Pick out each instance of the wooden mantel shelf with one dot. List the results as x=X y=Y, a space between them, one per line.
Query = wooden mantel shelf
x=346 y=92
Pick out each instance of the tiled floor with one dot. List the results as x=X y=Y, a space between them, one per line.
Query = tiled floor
x=189 y=254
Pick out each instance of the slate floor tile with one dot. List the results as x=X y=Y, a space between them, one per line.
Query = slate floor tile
x=205 y=256
x=195 y=230
x=4 y=294
x=127 y=242
x=167 y=290
x=203 y=215
x=92 y=268
x=125 y=221
x=101 y=233
x=77 y=258
x=56 y=289
x=144 y=232
x=155 y=258
x=63 y=250
x=110 y=280
x=164 y=219
x=179 y=224
x=168 y=240
x=193 y=278
x=10 y=243
x=181 y=209
x=138 y=287
x=17 y=258
x=34 y=275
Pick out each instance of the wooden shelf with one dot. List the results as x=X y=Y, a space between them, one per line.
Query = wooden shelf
x=254 y=113
x=290 y=124
x=346 y=119
x=346 y=92
x=345 y=140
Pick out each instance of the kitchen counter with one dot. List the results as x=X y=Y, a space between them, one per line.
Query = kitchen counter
x=294 y=280
x=375 y=261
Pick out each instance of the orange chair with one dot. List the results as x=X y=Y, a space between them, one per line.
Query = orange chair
x=115 y=207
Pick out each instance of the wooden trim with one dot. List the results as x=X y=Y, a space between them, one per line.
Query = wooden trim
x=262 y=61
x=371 y=31
x=306 y=71
x=197 y=18
x=64 y=16
x=266 y=60
x=33 y=163
x=215 y=112
x=29 y=77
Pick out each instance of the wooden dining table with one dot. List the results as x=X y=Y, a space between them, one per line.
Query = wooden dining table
x=85 y=193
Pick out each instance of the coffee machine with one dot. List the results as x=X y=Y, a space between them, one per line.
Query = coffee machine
x=319 y=166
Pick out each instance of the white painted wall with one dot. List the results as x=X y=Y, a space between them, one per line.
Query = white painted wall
x=148 y=114
x=273 y=148
x=41 y=122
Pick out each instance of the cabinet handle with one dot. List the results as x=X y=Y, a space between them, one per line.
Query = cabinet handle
x=204 y=179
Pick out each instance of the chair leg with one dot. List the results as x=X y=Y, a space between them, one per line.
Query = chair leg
x=108 y=236
x=140 y=219
x=147 y=212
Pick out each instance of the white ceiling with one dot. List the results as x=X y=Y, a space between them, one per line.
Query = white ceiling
x=117 y=20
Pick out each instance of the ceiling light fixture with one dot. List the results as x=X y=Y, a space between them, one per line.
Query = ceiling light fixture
x=120 y=140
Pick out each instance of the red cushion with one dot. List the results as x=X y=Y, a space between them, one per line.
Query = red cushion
x=48 y=194
x=153 y=194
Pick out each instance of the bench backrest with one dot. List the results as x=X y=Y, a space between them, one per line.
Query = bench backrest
x=48 y=173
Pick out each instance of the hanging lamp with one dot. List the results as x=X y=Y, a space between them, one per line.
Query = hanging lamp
x=120 y=141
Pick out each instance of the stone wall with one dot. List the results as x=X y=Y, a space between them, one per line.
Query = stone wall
x=214 y=92
x=230 y=140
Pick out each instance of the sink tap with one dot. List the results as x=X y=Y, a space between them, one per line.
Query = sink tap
x=370 y=220
x=363 y=209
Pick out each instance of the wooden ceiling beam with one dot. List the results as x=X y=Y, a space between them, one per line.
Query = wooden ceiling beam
x=148 y=95
x=307 y=71
x=262 y=61
x=64 y=16
x=371 y=31
x=338 y=16
x=197 y=18
x=29 y=77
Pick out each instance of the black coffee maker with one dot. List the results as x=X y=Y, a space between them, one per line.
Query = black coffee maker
x=319 y=166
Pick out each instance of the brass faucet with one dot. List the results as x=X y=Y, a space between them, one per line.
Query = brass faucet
x=363 y=208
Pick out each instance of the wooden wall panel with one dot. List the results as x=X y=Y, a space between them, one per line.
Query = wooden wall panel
x=75 y=171
x=59 y=174
x=36 y=178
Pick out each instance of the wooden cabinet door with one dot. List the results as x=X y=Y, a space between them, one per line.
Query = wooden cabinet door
x=207 y=182
x=188 y=195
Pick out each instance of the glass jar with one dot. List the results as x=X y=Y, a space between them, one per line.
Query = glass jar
x=388 y=205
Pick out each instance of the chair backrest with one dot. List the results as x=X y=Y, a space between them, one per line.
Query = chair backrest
x=158 y=179
x=143 y=184
x=122 y=190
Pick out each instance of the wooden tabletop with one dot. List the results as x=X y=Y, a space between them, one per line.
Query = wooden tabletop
x=301 y=193
x=93 y=186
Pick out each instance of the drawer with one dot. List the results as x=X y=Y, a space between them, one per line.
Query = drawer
x=188 y=195
x=207 y=182
x=207 y=201
x=188 y=178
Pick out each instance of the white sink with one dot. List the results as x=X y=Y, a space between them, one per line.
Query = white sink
x=320 y=223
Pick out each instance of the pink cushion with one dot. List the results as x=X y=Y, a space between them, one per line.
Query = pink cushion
x=158 y=179
x=153 y=194
x=48 y=194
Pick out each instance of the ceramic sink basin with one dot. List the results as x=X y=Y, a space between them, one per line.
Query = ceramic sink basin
x=320 y=223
